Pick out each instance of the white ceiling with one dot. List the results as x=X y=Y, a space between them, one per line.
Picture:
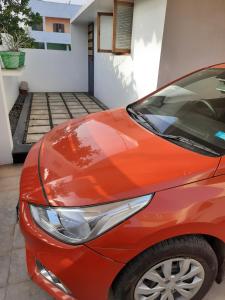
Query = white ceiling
x=88 y=12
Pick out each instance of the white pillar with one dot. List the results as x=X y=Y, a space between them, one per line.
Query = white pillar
x=44 y=23
x=6 y=143
x=44 y=30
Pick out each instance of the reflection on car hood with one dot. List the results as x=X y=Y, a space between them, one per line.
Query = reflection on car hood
x=108 y=156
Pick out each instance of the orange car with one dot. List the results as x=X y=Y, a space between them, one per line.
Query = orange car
x=129 y=204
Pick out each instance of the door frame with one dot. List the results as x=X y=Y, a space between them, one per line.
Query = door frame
x=91 y=61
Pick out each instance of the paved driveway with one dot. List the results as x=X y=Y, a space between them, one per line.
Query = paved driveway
x=14 y=281
x=51 y=109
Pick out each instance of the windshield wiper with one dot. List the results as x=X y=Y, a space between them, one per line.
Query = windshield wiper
x=141 y=118
x=191 y=143
x=149 y=123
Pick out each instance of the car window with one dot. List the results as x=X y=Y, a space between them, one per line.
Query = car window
x=193 y=108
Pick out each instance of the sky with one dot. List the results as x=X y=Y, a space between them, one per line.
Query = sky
x=67 y=1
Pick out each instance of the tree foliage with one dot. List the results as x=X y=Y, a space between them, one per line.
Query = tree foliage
x=16 y=16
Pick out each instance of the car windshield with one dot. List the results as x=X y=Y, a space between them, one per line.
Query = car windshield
x=189 y=112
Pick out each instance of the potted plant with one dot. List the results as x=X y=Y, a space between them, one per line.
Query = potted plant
x=13 y=57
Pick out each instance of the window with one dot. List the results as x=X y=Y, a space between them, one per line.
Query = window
x=54 y=46
x=104 y=32
x=190 y=112
x=57 y=27
x=122 y=26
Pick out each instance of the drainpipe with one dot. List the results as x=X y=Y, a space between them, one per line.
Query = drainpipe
x=6 y=143
x=44 y=29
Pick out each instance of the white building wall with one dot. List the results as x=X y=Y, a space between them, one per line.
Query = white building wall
x=11 y=85
x=59 y=71
x=54 y=9
x=194 y=37
x=5 y=132
x=51 y=37
x=120 y=80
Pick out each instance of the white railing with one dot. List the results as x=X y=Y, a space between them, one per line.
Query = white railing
x=51 y=37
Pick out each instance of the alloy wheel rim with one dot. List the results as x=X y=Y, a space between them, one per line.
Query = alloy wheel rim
x=172 y=279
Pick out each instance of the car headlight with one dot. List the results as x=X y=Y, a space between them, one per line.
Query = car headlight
x=79 y=225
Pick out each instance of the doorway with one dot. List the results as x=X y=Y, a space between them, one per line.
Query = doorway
x=91 y=59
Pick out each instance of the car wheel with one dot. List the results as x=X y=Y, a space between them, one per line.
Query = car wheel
x=178 y=269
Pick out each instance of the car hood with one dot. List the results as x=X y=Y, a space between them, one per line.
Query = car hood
x=108 y=157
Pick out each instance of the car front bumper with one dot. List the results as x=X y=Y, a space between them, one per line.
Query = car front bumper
x=87 y=274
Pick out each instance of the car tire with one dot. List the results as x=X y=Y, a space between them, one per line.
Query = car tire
x=194 y=248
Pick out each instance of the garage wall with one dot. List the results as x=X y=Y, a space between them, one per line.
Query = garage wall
x=194 y=37
x=5 y=132
x=59 y=71
x=11 y=85
x=120 y=80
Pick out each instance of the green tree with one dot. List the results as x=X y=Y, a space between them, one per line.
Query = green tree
x=16 y=15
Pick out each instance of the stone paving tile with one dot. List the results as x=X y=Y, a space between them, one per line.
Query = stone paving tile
x=79 y=115
x=39 y=96
x=74 y=104
x=33 y=138
x=59 y=121
x=42 y=104
x=39 y=101
x=39 y=117
x=93 y=110
x=39 y=107
x=38 y=122
x=38 y=129
x=79 y=104
x=39 y=111
x=85 y=100
x=83 y=97
x=74 y=100
x=60 y=116
x=4 y=267
x=53 y=104
x=17 y=271
x=39 y=93
x=91 y=105
x=55 y=101
x=59 y=109
x=51 y=101
x=78 y=110
x=58 y=105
